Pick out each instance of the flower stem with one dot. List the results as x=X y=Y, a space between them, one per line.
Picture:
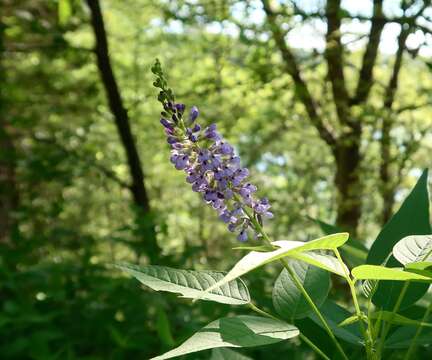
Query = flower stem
x=302 y=337
x=413 y=344
x=299 y=286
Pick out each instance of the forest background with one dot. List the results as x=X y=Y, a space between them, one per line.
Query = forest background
x=328 y=103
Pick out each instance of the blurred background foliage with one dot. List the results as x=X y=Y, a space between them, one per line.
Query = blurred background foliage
x=66 y=206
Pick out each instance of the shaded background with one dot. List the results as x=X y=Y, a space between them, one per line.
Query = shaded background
x=328 y=103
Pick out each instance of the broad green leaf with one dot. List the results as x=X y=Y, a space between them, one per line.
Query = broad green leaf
x=354 y=251
x=256 y=259
x=411 y=219
x=323 y=261
x=189 y=283
x=288 y=301
x=237 y=332
x=413 y=249
x=334 y=315
x=376 y=272
x=421 y=265
x=227 y=354
x=402 y=337
x=398 y=319
x=64 y=11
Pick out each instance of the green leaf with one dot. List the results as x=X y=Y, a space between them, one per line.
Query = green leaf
x=189 y=283
x=414 y=248
x=422 y=265
x=64 y=11
x=288 y=301
x=376 y=272
x=323 y=261
x=398 y=319
x=256 y=259
x=353 y=250
x=227 y=354
x=334 y=315
x=239 y=331
x=411 y=219
x=402 y=338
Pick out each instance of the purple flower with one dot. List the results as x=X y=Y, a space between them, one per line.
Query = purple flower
x=193 y=114
x=213 y=170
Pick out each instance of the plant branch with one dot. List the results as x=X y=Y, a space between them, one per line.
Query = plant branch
x=299 y=286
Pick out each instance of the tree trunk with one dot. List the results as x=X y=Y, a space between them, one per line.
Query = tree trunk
x=122 y=122
x=347 y=181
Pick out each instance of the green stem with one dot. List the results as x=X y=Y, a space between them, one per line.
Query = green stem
x=386 y=327
x=314 y=347
x=365 y=332
x=412 y=347
x=262 y=312
x=302 y=337
x=299 y=286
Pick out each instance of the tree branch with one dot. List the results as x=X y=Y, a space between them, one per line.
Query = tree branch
x=365 y=80
x=121 y=118
x=116 y=106
x=334 y=58
x=302 y=91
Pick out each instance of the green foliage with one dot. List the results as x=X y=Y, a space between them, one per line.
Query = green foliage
x=239 y=331
x=190 y=284
x=286 y=248
x=411 y=219
x=413 y=249
x=72 y=209
x=334 y=315
x=289 y=301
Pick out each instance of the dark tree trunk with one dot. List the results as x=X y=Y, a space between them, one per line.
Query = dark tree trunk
x=347 y=181
x=121 y=118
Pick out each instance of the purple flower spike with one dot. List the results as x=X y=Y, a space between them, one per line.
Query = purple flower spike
x=213 y=170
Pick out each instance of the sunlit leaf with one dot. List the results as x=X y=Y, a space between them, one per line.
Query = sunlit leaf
x=286 y=248
x=237 y=332
x=189 y=283
x=376 y=272
x=323 y=261
x=414 y=248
